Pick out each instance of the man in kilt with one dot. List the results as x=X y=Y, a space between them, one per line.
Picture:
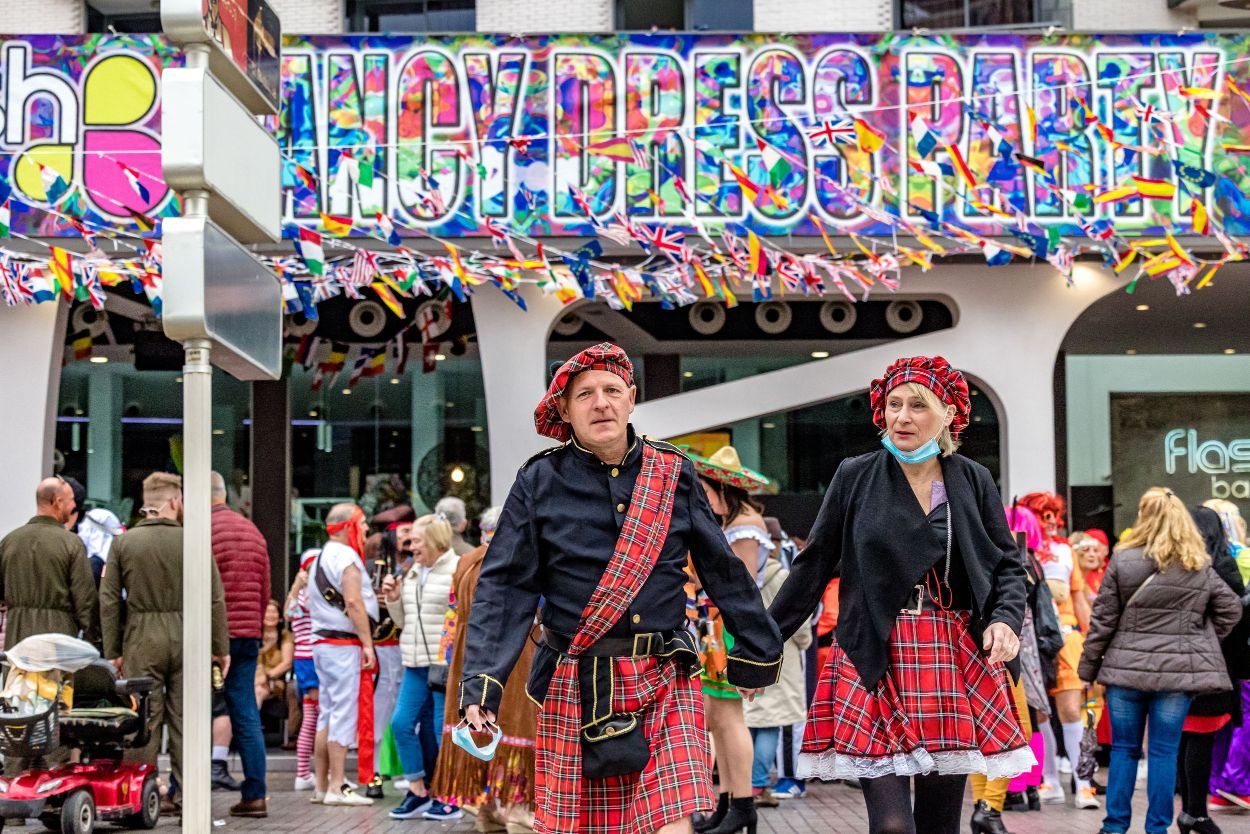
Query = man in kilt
x=601 y=528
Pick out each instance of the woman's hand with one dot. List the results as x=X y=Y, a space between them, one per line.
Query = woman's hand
x=390 y=588
x=1000 y=643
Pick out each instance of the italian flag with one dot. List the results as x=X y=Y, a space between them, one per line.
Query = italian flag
x=308 y=245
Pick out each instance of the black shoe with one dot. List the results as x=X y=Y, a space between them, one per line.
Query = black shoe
x=374 y=791
x=1201 y=825
x=985 y=820
x=741 y=817
x=222 y=781
x=1099 y=788
x=706 y=823
x=1015 y=801
x=1034 y=801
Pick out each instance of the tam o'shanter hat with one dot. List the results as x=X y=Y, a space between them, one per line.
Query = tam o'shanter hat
x=604 y=356
x=934 y=373
x=726 y=467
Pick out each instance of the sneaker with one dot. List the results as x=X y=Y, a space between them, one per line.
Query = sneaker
x=317 y=798
x=346 y=799
x=442 y=812
x=789 y=789
x=305 y=783
x=1051 y=794
x=412 y=807
x=1065 y=764
x=1086 y=798
x=1229 y=801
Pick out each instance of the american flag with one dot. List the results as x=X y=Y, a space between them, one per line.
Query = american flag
x=364 y=268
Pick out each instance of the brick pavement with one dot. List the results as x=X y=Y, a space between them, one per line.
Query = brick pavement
x=827 y=808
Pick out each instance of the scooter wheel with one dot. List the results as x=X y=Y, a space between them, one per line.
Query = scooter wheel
x=150 y=808
x=78 y=813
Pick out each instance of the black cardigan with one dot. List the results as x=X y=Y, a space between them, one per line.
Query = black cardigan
x=870 y=530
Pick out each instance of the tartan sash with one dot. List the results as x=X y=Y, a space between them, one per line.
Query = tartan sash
x=559 y=752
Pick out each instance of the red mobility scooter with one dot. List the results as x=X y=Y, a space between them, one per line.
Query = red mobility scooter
x=108 y=716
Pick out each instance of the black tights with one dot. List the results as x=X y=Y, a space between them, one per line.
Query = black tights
x=1193 y=776
x=939 y=802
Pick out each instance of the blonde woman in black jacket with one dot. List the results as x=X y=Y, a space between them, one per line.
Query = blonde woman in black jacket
x=1154 y=642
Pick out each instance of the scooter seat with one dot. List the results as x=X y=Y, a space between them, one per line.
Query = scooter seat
x=91 y=722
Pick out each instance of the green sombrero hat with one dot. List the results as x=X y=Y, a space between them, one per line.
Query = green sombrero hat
x=726 y=467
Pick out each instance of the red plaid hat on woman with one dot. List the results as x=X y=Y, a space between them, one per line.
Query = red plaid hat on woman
x=604 y=356
x=934 y=373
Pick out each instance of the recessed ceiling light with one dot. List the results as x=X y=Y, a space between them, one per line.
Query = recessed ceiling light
x=178 y=380
x=820 y=354
x=770 y=425
x=347 y=392
x=1229 y=351
x=476 y=428
x=687 y=374
x=1199 y=325
x=312 y=413
x=1141 y=308
x=439 y=357
x=1131 y=352
x=99 y=360
x=219 y=432
x=394 y=380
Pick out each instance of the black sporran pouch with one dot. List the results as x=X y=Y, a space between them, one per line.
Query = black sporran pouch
x=615 y=746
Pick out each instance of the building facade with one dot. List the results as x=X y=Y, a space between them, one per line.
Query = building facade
x=1056 y=364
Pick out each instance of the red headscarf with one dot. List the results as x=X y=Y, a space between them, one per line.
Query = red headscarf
x=355 y=536
x=934 y=373
x=602 y=357
x=1100 y=535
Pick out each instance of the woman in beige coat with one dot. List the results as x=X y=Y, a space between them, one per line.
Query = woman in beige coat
x=780 y=706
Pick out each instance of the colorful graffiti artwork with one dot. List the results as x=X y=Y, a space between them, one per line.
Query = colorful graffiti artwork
x=550 y=135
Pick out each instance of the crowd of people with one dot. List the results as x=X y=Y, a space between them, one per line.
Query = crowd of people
x=926 y=638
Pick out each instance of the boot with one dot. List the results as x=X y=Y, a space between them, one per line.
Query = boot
x=1015 y=802
x=740 y=817
x=1034 y=801
x=986 y=820
x=706 y=823
x=253 y=808
x=1201 y=825
x=222 y=780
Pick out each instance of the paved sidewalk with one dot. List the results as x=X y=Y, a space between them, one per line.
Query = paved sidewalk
x=827 y=809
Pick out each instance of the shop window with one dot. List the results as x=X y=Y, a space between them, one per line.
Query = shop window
x=967 y=14
x=396 y=16
x=139 y=23
x=696 y=15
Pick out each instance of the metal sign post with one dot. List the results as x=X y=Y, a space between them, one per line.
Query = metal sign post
x=220 y=302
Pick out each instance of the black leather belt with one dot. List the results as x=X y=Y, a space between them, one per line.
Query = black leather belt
x=644 y=644
x=920 y=600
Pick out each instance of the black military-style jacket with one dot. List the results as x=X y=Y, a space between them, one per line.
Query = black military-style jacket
x=556 y=534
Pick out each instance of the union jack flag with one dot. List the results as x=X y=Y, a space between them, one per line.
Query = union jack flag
x=841 y=132
x=14 y=285
x=663 y=240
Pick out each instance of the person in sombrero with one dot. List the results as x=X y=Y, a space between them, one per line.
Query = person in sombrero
x=601 y=528
x=728 y=486
x=931 y=604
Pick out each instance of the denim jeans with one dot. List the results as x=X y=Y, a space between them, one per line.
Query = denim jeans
x=765 y=740
x=1130 y=711
x=418 y=750
x=240 y=692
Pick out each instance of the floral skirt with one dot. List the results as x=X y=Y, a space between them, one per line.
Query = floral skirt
x=941 y=707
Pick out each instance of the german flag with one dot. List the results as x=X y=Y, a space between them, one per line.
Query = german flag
x=1032 y=163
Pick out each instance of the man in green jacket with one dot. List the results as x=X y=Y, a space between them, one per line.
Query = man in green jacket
x=146 y=563
x=45 y=576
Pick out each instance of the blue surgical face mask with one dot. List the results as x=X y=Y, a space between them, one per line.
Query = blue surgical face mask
x=462 y=737
x=920 y=455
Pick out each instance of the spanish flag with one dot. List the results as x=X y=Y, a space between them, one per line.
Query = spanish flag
x=338 y=226
x=868 y=139
x=756 y=254
x=1202 y=222
x=1155 y=189
x=62 y=264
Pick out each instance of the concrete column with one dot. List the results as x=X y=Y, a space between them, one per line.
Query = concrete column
x=428 y=414
x=30 y=353
x=104 y=437
x=513 y=347
x=270 y=476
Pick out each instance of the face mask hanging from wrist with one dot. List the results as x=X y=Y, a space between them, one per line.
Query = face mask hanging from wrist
x=462 y=737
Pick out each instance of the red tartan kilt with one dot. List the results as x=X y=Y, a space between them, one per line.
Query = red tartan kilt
x=939 y=694
x=677 y=781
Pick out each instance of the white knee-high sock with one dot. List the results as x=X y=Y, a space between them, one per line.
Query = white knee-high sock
x=1050 y=765
x=1072 y=731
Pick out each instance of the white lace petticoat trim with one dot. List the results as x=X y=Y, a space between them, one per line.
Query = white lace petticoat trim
x=831 y=765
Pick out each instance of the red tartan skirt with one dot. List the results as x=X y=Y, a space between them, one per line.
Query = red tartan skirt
x=940 y=707
x=677 y=781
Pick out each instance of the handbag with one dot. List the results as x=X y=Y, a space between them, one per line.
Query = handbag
x=615 y=746
x=1046 y=626
x=437 y=675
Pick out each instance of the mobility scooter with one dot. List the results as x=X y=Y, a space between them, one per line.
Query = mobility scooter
x=107 y=716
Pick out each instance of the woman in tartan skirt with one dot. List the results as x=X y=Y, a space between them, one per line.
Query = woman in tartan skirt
x=931 y=603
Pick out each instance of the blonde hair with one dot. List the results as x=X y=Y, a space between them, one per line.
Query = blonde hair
x=435 y=530
x=1230 y=517
x=1166 y=532
x=160 y=488
x=946 y=441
